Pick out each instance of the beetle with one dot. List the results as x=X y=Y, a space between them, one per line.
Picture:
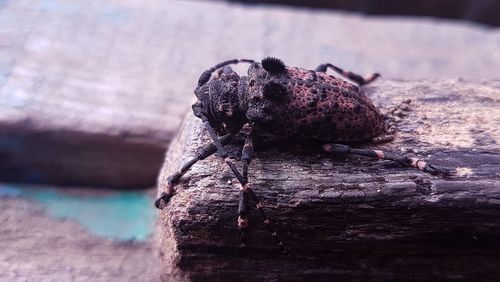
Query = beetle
x=288 y=102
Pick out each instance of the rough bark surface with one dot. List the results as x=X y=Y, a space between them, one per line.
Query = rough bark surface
x=350 y=217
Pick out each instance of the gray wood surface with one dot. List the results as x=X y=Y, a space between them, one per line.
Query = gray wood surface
x=350 y=218
x=38 y=247
x=91 y=92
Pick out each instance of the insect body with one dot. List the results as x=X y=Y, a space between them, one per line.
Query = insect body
x=287 y=102
x=309 y=104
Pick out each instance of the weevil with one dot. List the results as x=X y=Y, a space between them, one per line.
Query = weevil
x=288 y=102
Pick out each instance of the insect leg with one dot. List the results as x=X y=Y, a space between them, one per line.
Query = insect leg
x=205 y=76
x=378 y=154
x=348 y=74
x=245 y=191
x=247 y=154
x=243 y=215
x=221 y=151
x=246 y=158
x=173 y=179
x=245 y=186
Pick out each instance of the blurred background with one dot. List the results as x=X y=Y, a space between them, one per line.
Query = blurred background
x=92 y=92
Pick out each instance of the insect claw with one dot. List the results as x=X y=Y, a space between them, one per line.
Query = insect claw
x=165 y=197
x=448 y=172
x=438 y=170
x=158 y=203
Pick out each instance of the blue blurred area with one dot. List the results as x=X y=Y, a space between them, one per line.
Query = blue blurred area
x=120 y=215
x=9 y=192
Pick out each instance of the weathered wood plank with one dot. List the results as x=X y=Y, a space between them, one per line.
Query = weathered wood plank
x=38 y=247
x=350 y=217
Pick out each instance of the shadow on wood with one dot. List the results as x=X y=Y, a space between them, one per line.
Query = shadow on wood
x=350 y=217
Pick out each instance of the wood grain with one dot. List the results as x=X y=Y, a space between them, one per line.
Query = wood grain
x=350 y=217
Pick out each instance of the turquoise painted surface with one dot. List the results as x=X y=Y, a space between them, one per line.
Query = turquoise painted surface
x=120 y=215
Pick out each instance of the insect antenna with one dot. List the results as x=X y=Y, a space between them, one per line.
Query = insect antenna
x=206 y=75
